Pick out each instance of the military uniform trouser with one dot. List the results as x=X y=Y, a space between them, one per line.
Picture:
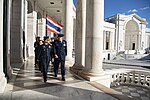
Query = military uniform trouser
x=45 y=64
x=40 y=66
x=36 y=57
x=56 y=66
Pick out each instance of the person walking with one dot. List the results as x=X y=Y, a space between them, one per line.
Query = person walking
x=39 y=51
x=36 y=44
x=60 y=53
x=45 y=56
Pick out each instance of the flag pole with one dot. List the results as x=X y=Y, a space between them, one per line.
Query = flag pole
x=46 y=25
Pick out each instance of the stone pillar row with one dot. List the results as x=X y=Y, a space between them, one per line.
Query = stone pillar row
x=94 y=35
x=89 y=39
x=80 y=34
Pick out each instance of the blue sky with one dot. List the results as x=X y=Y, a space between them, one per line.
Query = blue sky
x=140 y=7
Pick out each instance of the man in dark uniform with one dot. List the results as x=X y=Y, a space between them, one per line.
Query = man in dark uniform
x=45 y=56
x=36 y=44
x=60 y=51
x=39 y=51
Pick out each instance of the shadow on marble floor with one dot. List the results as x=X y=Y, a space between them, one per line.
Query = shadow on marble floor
x=29 y=85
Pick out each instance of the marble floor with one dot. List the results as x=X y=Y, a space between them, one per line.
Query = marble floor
x=134 y=92
x=28 y=85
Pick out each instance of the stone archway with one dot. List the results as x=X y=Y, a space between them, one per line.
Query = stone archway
x=131 y=35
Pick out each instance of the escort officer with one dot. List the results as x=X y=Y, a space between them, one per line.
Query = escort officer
x=39 y=50
x=45 y=56
x=36 y=44
x=60 y=52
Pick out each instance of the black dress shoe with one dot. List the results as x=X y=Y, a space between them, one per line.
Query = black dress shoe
x=55 y=75
x=63 y=79
x=45 y=80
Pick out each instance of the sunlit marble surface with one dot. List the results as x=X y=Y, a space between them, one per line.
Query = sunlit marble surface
x=29 y=85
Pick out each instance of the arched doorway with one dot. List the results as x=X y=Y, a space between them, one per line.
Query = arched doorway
x=131 y=35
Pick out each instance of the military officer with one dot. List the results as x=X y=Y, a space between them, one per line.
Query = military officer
x=60 y=52
x=45 y=56
x=36 y=44
x=39 y=50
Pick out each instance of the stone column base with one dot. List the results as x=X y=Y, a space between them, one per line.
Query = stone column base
x=69 y=62
x=3 y=83
x=77 y=67
x=103 y=78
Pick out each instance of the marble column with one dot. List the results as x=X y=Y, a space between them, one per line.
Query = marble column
x=80 y=34
x=25 y=28
x=31 y=32
x=7 y=43
x=2 y=76
x=104 y=40
x=83 y=30
x=112 y=40
x=68 y=27
x=41 y=27
x=63 y=17
x=94 y=37
x=137 y=47
x=16 y=41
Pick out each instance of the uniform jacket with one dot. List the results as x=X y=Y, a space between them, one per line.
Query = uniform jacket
x=45 y=52
x=60 y=49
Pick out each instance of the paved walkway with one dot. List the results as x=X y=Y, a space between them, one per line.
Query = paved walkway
x=29 y=85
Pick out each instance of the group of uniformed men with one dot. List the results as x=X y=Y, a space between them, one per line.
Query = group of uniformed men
x=48 y=50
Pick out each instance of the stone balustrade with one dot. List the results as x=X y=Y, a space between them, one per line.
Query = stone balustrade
x=139 y=78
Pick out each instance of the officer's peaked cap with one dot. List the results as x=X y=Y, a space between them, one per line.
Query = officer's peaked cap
x=60 y=35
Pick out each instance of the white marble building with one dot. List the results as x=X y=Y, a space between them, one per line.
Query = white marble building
x=22 y=20
x=125 y=34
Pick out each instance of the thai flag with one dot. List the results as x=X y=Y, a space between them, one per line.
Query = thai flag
x=53 y=26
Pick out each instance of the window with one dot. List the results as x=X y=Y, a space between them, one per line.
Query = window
x=133 y=46
x=107 y=45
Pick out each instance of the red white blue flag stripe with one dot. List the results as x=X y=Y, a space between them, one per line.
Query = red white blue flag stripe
x=53 y=26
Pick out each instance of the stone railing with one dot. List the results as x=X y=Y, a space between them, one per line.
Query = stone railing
x=140 y=78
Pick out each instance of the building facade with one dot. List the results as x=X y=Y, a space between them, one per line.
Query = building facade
x=125 y=34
